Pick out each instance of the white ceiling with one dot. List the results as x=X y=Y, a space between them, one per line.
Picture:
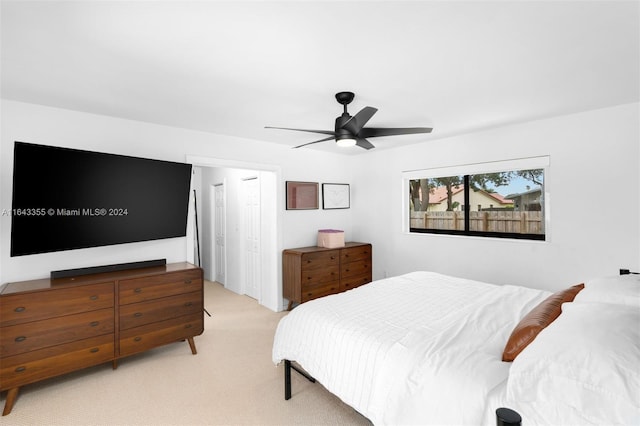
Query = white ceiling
x=234 y=67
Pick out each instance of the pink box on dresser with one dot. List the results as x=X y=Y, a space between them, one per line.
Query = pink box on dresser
x=330 y=238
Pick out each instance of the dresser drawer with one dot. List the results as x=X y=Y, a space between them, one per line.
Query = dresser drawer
x=353 y=254
x=353 y=282
x=313 y=286
x=37 y=365
x=26 y=307
x=313 y=292
x=17 y=339
x=355 y=268
x=324 y=275
x=137 y=314
x=320 y=260
x=151 y=335
x=152 y=287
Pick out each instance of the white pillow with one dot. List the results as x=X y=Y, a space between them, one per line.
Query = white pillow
x=619 y=289
x=587 y=360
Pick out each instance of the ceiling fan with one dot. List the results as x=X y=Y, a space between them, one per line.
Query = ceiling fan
x=350 y=131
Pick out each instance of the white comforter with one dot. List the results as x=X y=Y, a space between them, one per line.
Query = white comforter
x=422 y=348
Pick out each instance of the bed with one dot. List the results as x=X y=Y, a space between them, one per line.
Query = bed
x=427 y=348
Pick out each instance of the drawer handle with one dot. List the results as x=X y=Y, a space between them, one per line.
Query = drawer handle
x=94 y=323
x=188 y=304
x=137 y=314
x=137 y=290
x=20 y=309
x=187 y=281
x=309 y=294
x=333 y=257
x=94 y=350
x=346 y=270
x=187 y=326
x=21 y=338
x=20 y=369
x=137 y=339
x=94 y=297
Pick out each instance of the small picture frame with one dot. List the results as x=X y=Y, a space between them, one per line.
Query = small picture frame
x=335 y=196
x=302 y=195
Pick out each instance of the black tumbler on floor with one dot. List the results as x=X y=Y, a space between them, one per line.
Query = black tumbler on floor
x=507 y=417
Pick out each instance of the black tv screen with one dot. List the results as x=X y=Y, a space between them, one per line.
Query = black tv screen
x=66 y=199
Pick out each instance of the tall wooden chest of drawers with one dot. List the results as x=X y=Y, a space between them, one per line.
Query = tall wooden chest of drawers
x=52 y=327
x=312 y=272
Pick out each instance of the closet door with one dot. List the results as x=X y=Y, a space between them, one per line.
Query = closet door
x=251 y=226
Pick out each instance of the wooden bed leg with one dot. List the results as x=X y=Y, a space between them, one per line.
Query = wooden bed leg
x=12 y=395
x=287 y=379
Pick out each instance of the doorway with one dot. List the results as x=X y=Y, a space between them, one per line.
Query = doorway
x=247 y=256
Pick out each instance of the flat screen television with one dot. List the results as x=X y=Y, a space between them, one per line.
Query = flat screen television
x=66 y=199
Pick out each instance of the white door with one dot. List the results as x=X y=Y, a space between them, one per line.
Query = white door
x=219 y=233
x=251 y=226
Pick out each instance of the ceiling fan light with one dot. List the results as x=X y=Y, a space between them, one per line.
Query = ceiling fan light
x=346 y=142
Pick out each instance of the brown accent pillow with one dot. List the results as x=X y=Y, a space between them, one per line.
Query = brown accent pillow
x=536 y=320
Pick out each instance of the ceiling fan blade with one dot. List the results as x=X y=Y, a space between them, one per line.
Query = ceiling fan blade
x=372 y=132
x=310 y=143
x=363 y=143
x=357 y=122
x=324 y=132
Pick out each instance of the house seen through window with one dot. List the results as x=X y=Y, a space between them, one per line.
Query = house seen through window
x=504 y=204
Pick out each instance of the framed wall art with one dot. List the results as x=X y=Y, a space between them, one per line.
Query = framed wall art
x=335 y=196
x=302 y=195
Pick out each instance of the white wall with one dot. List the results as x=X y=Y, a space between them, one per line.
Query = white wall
x=594 y=155
x=53 y=126
x=593 y=181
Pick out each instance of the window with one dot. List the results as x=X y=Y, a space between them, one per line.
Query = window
x=502 y=199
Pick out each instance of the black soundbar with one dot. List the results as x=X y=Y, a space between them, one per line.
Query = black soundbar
x=66 y=273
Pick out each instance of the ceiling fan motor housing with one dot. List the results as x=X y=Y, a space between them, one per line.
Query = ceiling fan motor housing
x=340 y=132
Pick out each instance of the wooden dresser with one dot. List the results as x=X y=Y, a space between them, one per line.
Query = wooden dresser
x=52 y=327
x=312 y=272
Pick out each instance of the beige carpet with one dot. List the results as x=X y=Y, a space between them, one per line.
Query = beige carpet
x=231 y=381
